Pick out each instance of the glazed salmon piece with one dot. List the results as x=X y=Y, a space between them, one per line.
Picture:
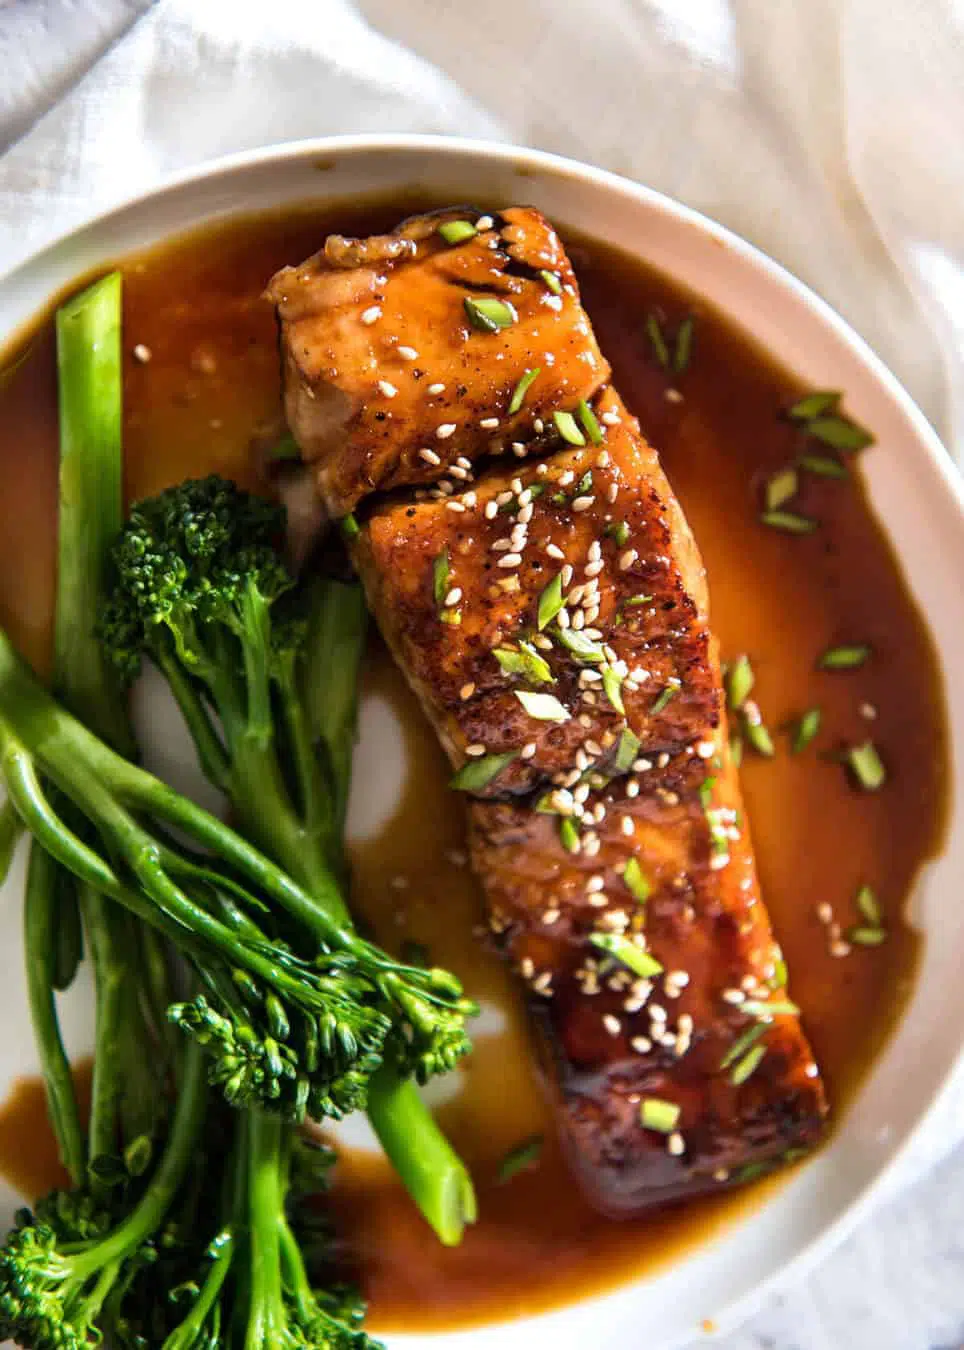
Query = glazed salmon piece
x=658 y=993
x=541 y=590
x=464 y=594
x=392 y=369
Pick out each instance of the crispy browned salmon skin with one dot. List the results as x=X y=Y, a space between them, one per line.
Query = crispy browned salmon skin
x=542 y=591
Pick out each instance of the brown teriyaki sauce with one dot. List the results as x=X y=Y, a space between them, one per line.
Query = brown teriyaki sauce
x=210 y=384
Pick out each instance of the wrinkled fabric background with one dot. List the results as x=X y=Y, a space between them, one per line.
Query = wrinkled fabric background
x=828 y=132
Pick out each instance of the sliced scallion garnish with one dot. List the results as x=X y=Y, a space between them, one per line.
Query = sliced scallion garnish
x=805 y=730
x=627 y=953
x=684 y=345
x=543 y=707
x=812 y=405
x=636 y=881
x=659 y=1115
x=823 y=465
x=743 y=1043
x=457 y=231
x=869 y=906
x=612 y=686
x=759 y=738
x=526 y=662
x=789 y=522
x=567 y=428
x=849 y=656
x=552 y=281
x=582 y=647
x=569 y=834
x=627 y=750
x=839 y=433
x=590 y=423
x=661 y=700
x=739 y=682
x=349 y=526
x=476 y=774
x=550 y=601
x=866 y=765
x=440 y=578
x=780 y=488
x=520 y=1158
x=866 y=936
x=747 y=1066
x=521 y=389
x=655 y=334
x=488 y=314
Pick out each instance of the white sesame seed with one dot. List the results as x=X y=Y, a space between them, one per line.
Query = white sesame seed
x=387 y=388
x=399 y=883
x=526 y=968
x=612 y=492
x=509 y=560
x=551 y=916
x=408 y=353
x=370 y=315
x=446 y=430
x=475 y=750
x=458 y=472
x=562 y=618
x=528 y=750
x=592 y=569
x=719 y=861
x=627 y=827
x=602 y=459
x=582 y=503
x=429 y=456
x=599 y=900
x=839 y=948
x=554 y=551
x=611 y=419
x=491 y=510
x=721 y=1174
x=734 y=996
x=454 y=506
x=657 y=1012
x=501 y=545
x=484 y=223
x=641 y=1044
x=675 y=1144
x=542 y=642
x=542 y=982
x=435 y=389
x=825 y=912
x=663 y=759
x=673 y=396
x=632 y=788
x=578 y=620
x=142 y=353
x=612 y=1024
x=489 y=423
x=469 y=498
x=538 y=426
x=592 y=614
x=467 y=691
x=595 y=551
x=455 y=594
x=868 y=711
x=591 y=845
x=627 y=559
x=566 y=574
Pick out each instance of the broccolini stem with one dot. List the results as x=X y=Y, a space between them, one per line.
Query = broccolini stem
x=178 y=1154
x=11 y=828
x=39 y=916
x=263 y=1145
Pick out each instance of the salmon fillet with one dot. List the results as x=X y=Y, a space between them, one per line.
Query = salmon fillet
x=544 y=596
x=386 y=383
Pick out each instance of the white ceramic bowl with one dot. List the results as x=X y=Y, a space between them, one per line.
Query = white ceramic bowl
x=915 y=491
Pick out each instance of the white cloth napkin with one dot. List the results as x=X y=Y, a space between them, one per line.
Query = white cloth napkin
x=826 y=131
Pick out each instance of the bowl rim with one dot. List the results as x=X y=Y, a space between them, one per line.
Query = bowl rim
x=508 y=154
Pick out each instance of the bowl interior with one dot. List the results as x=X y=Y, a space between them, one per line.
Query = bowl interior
x=914 y=491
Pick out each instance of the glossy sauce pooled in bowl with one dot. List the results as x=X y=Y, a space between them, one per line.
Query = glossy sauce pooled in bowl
x=201 y=379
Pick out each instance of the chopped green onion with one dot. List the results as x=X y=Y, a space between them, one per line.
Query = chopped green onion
x=780 y=488
x=451 y=617
x=476 y=774
x=457 y=231
x=706 y=792
x=789 y=522
x=349 y=526
x=869 y=906
x=627 y=953
x=671 y=690
x=747 y=1066
x=590 y=425
x=552 y=281
x=637 y=600
x=612 y=686
x=285 y=450
x=525 y=662
x=736 y=749
x=627 y=749
x=581 y=646
x=739 y=682
x=584 y=485
x=655 y=334
x=772 y=1008
x=684 y=345
x=659 y=1115
x=823 y=465
x=813 y=405
x=838 y=433
x=743 y=1043
x=522 y=388
x=567 y=428
x=550 y=601
x=847 y=657
x=805 y=730
x=759 y=737
x=867 y=937
x=543 y=707
x=487 y=314
x=440 y=578
x=618 y=530
x=569 y=834
x=637 y=882
x=780 y=973
x=866 y=765
x=520 y=1158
